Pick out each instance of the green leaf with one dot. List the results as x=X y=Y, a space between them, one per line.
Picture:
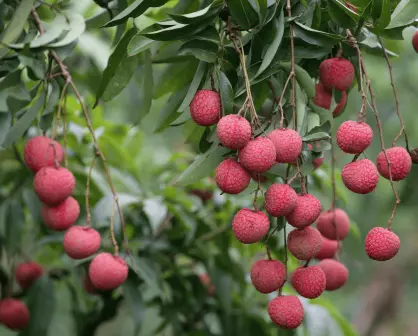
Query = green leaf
x=35 y=64
x=227 y=94
x=203 y=50
x=303 y=78
x=354 y=229
x=146 y=88
x=404 y=14
x=169 y=112
x=197 y=79
x=134 y=299
x=178 y=31
x=208 y=34
x=384 y=18
x=315 y=136
x=314 y=36
x=195 y=17
x=146 y=270
x=139 y=44
x=342 y=15
x=301 y=110
x=243 y=13
x=76 y=27
x=15 y=215
x=261 y=8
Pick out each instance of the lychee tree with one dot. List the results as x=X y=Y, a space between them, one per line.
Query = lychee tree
x=94 y=225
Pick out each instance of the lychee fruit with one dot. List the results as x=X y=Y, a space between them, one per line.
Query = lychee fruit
x=400 y=163
x=333 y=224
x=249 y=226
x=62 y=216
x=336 y=274
x=415 y=41
x=306 y=212
x=41 y=152
x=280 y=199
x=53 y=185
x=288 y=144
x=340 y=106
x=304 y=244
x=286 y=311
x=258 y=155
x=268 y=276
x=107 y=272
x=88 y=286
x=317 y=162
x=27 y=273
x=206 y=281
x=258 y=177
x=381 y=244
x=309 y=282
x=231 y=177
x=14 y=314
x=322 y=97
x=81 y=242
x=336 y=72
x=353 y=137
x=205 y=107
x=233 y=131
x=328 y=249
x=360 y=176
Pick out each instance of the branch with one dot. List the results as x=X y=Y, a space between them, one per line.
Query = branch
x=292 y=73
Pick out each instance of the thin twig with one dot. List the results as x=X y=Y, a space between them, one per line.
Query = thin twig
x=64 y=120
x=292 y=73
x=88 y=213
x=112 y=231
x=334 y=194
x=58 y=117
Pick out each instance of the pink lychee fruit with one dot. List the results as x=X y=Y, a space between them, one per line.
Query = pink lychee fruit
x=62 y=216
x=53 y=185
x=333 y=224
x=259 y=177
x=88 y=286
x=354 y=137
x=305 y=243
x=249 y=226
x=323 y=98
x=381 y=244
x=41 y=152
x=328 y=249
x=81 y=242
x=400 y=163
x=286 y=311
x=317 y=162
x=268 y=276
x=280 y=199
x=415 y=41
x=340 y=106
x=231 y=177
x=258 y=155
x=107 y=272
x=360 y=176
x=233 y=131
x=336 y=274
x=288 y=144
x=27 y=273
x=307 y=210
x=309 y=282
x=14 y=314
x=206 y=281
x=336 y=72
x=205 y=107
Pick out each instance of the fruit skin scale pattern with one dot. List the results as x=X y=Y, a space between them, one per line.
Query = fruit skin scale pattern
x=268 y=276
x=381 y=244
x=205 y=107
x=354 y=137
x=249 y=226
x=307 y=210
x=259 y=155
x=231 y=177
x=233 y=131
x=336 y=72
x=360 y=176
x=280 y=200
x=309 y=281
x=286 y=311
x=400 y=163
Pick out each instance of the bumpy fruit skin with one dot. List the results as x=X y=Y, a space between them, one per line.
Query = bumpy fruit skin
x=231 y=177
x=206 y=281
x=62 y=216
x=39 y=152
x=353 y=137
x=268 y=276
x=306 y=212
x=14 y=314
x=337 y=230
x=340 y=106
x=107 y=272
x=304 y=244
x=322 y=97
x=205 y=107
x=27 y=273
x=336 y=72
x=309 y=282
x=288 y=144
x=259 y=155
x=286 y=311
x=415 y=41
x=381 y=244
x=360 y=176
x=81 y=242
x=280 y=199
x=400 y=163
x=249 y=226
x=328 y=249
x=336 y=274
x=53 y=185
x=233 y=131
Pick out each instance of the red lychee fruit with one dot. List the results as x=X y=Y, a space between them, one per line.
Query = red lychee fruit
x=206 y=281
x=317 y=162
x=322 y=96
x=306 y=212
x=233 y=131
x=107 y=272
x=381 y=244
x=258 y=177
x=304 y=244
x=309 y=282
x=268 y=276
x=62 y=216
x=336 y=274
x=258 y=155
x=360 y=176
x=53 y=185
x=27 y=273
x=280 y=200
x=81 y=242
x=336 y=72
x=328 y=249
x=205 y=107
x=353 y=137
x=400 y=163
x=333 y=224
x=40 y=152
x=286 y=311
x=415 y=41
x=340 y=106
x=288 y=144
x=14 y=314
x=88 y=286
x=249 y=226
x=231 y=177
